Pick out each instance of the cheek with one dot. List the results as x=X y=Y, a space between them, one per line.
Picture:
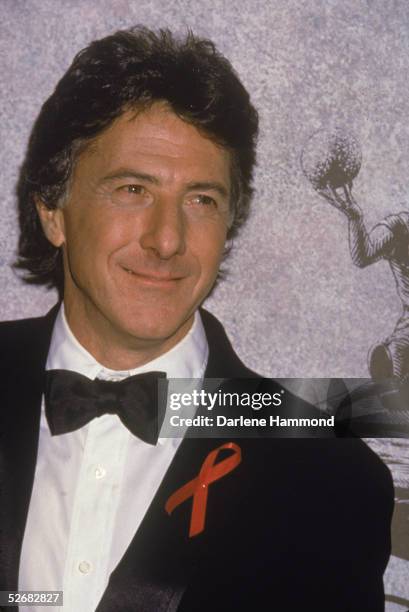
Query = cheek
x=209 y=252
x=90 y=238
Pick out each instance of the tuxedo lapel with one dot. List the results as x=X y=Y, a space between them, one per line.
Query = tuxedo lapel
x=21 y=392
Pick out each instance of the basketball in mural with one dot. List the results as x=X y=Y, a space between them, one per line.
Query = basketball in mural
x=331 y=158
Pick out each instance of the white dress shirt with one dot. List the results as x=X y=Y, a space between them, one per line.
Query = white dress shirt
x=92 y=487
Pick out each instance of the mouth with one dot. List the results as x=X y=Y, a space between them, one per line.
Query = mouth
x=154 y=280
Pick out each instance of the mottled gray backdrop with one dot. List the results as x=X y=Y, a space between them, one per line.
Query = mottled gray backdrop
x=293 y=303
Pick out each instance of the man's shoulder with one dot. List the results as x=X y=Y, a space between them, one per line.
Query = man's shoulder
x=19 y=330
x=223 y=360
x=19 y=326
x=24 y=340
x=320 y=455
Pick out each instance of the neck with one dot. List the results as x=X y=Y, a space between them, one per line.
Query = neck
x=117 y=350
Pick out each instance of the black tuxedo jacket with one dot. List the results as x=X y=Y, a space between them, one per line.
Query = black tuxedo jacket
x=300 y=524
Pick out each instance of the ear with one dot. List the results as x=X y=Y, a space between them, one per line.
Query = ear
x=52 y=221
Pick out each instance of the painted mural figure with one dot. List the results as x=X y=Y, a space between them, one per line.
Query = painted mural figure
x=331 y=160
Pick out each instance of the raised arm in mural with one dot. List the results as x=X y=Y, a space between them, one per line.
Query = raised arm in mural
x=331 y=160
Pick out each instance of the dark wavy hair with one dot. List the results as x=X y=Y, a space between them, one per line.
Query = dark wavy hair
x=130 y=69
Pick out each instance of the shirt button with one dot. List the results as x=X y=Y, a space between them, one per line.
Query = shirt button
x=100 y=472
x=84 y=567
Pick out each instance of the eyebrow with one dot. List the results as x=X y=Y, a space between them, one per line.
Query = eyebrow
x=124 y=173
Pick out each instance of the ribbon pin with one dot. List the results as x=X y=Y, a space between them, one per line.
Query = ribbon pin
x=198 y=487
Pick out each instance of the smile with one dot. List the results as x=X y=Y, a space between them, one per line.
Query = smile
x=153 y=279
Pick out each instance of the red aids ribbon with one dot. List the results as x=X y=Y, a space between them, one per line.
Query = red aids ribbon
x=198 y=487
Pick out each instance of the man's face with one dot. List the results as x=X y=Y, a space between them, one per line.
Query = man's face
x=143 y=231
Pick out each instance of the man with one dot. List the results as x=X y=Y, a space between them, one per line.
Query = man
x=138 y=170
x=387 y=240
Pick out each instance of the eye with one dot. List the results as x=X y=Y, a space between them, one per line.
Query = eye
x=133 y=189
x=203 y=200
x=131 y=195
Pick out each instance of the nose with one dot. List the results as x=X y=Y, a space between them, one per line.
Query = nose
x=164 y=230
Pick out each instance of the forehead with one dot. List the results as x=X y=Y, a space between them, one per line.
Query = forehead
x=157 y=140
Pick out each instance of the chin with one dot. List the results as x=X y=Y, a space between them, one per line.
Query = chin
x=160 y=327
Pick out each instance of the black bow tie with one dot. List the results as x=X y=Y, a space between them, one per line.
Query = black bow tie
x=72 y=400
